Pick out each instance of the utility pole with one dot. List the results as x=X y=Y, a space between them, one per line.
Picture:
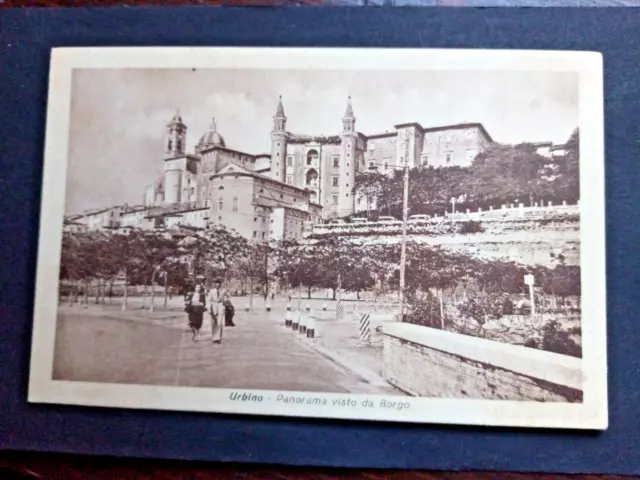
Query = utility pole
x=530 y=281
x=166 y=287
x=405 y=211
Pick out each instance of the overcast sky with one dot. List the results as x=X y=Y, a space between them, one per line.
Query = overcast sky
x=118 y=117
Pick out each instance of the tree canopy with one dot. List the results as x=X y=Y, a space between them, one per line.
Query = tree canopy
x=501 y=174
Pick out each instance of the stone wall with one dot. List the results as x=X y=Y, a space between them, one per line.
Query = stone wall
x=427 y=362
x=526 y=241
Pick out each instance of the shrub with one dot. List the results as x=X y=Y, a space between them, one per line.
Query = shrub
x=482 y=307
x=424 y=311
x=470 y=226
x=558 y=341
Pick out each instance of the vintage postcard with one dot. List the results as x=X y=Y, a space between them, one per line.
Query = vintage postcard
x=380 y=234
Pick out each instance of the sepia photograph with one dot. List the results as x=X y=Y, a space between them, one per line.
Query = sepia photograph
x=372 y=234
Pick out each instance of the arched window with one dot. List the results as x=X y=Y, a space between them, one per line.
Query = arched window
x=179 y=145
x=220 y=205
x=312 y=177
x=169 y=145
x=312 y=155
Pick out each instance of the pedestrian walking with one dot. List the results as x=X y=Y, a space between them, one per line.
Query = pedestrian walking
x=215 y=301
x=195 y=306
x=229 y=312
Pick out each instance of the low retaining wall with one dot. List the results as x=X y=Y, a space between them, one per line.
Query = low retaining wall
x=427 y=362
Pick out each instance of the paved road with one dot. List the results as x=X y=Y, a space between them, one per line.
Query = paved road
x=107 y=346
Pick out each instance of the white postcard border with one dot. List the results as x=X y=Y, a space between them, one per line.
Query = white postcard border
x=590 y=414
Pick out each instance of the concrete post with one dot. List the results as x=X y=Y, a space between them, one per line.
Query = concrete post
x=311 y=326
x=288 y=318
x=296 y=321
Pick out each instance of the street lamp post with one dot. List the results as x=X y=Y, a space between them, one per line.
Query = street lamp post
x=405 y=212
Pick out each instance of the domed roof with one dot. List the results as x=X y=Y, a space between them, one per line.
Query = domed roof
x=211 y=138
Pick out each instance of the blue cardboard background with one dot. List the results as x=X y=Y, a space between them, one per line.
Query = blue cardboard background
x=26 y=37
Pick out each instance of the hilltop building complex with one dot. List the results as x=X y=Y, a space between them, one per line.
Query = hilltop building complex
x=304 y=177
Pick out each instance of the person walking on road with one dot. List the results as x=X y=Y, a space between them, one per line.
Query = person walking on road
x=215 y=301
x=229 y=312
x=195 y=306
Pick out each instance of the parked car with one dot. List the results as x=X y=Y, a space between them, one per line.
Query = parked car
x=359 y=220
x=336 y=221
x=419 y=218
x=386 y=220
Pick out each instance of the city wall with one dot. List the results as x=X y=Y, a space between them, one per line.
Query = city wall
x=427 y=362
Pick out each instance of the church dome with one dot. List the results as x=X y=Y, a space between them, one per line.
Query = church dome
x=211 y=138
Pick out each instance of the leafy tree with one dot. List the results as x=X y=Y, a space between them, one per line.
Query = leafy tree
x=213 y=252
x=370 y=185
x=500 y=277
x=502 y=174
x=562 y=281
x=482 y=308
x=154 y=250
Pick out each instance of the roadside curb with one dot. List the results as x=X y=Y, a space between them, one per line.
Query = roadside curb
x=364 y=374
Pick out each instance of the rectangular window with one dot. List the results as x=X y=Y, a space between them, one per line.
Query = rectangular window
x=471 y=155
x=289 y=179
x=335 y=181
x=335 y=199
x=289 y=161
x=235 y=204
x=386 y=165
x=255 y=234
x=425 y=160
x=220 y=205
x=336 y=162
x=263 y=234
x=448 y=157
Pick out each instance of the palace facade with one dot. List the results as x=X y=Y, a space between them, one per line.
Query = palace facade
x=303 y=179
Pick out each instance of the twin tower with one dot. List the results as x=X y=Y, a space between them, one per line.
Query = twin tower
x=325 y=165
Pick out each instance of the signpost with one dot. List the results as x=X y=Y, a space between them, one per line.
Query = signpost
x=530 y=280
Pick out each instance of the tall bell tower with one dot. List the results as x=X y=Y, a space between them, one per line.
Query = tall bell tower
x=348 y=141
x=279 y=144
x=176 y=137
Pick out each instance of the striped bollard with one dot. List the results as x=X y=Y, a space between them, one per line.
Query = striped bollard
x=296 y=321
x=324 y=307
x=288 y=318
x=307 y=319
x=364 y=323
x=303 y=320
x=268 y=306
x=311 y=327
